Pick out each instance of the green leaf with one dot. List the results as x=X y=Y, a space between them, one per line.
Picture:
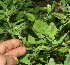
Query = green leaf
x=20 y=15
x=51 y=31
x=40 y=35
x=36 y=10
x=3 y=5
x=67 y=61
x=31 y=39
x=25 y=59
x=63 y=49
x=2 y=14
x=30 y=16
x=40 y=27
x=7 y=2
x=1 y=31
x=43 y=47
x=51 y=62
x=44 y=8
x=1 y=11
x=2 y=17
x=68 y=7
x=59 y=15
x=48 y=8
x=42 y=41
x=28 y=4
x=64 y=2
x=62 y=38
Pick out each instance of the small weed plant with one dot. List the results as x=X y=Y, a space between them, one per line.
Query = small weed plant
x=43 y=26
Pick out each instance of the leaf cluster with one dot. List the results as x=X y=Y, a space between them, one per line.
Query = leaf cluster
x=43 y=29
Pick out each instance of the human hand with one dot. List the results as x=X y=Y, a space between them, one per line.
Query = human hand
x=9 y=51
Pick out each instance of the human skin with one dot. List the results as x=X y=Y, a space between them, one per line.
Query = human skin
x=9 y=51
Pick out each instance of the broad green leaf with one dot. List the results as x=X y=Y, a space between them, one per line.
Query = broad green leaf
x=20 y=15
x=30 y=16
x=40 y=27
x=51 y=62
x=25 y=59
x=51 y=31
x=31 y=39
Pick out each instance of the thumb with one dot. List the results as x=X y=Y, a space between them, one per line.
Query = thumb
x=7 y=60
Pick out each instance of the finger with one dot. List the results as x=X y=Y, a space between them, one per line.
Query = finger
x=2 y=60
x=10 y=60
x=17 y=51
x=7 y=60
x=8 y=45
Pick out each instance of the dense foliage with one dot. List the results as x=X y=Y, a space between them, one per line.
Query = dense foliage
x=43 y=26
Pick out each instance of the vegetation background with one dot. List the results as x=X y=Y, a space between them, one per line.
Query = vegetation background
x=43 y=26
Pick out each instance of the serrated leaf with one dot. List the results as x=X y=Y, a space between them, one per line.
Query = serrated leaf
x=39 y=27
x=30 y=16
x=51 y=31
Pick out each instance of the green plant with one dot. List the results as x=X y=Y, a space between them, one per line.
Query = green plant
x=44 y=30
